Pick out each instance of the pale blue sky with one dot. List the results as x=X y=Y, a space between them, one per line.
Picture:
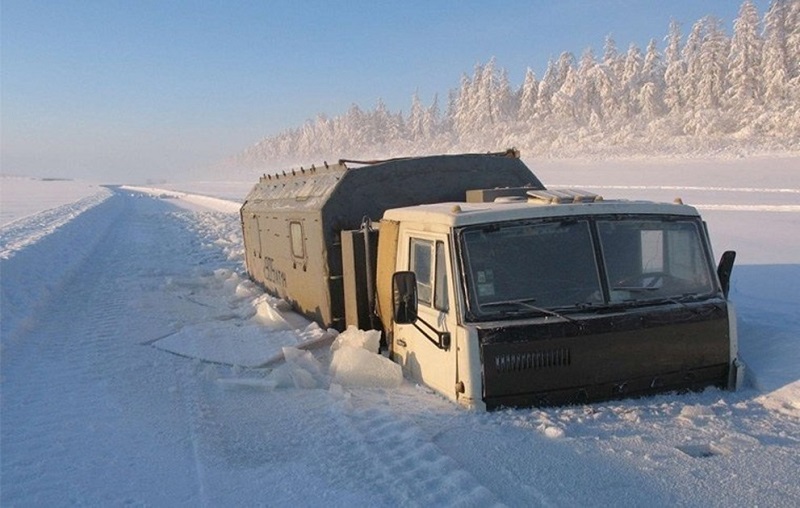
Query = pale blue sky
x=126 y=90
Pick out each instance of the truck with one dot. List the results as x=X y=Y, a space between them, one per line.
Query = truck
x=490 y=288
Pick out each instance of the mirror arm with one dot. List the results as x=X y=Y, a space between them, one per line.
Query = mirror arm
x=442 y=340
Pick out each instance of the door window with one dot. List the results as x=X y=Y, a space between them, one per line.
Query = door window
x=429 y=263
x=421 y=265
x=440 y=300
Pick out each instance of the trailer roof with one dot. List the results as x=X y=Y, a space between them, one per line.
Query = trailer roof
x=372 y=188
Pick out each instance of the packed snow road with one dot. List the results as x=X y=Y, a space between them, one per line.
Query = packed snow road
x=97 y=411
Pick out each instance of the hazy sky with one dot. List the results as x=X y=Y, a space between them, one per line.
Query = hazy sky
x=127 y=90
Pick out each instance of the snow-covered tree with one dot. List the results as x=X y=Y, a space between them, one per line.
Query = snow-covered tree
x=384 y=127
x=775 y=57
x=653 y=66
x=430 y=120
x=711 y=82
x=632 y=79
x=675 y=69
x=745 y=59
x=547 y=87
x=650 y=101
x=566 y=100
x=690 y=55
x=612 y=59
x=507 y=104
x=416 y=118
x=591 y=101
x=528 y=97
x=461 y=105
x=793 y=40
x=651 y=93
x=565 y=64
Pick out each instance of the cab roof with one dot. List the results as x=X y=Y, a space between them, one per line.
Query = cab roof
x=455 y=214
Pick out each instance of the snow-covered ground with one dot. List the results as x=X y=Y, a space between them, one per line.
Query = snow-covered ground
x=139 y=366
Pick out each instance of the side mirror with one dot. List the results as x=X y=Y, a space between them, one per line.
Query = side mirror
x=404 y=297
x=724 y=270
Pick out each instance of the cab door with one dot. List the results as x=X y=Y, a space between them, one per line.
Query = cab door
x=427 y=349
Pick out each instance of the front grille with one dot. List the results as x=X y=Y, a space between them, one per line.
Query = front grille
x=516 y=362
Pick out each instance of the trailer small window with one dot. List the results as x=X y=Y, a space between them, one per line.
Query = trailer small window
x=297 y=240
x=421 y=264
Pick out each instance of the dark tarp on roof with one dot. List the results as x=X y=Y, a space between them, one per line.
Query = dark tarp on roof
x=344 y=195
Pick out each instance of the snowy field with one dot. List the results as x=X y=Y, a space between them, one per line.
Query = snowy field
x=139 y=366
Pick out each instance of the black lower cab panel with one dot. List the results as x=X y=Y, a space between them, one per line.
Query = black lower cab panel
x=693 y=380
x=555 y=362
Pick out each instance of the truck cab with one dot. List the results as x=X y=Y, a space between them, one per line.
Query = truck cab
x=554 y=297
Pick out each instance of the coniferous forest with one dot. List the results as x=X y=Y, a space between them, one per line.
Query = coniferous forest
x=703 y=91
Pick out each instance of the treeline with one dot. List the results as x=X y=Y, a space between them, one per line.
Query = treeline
x=705 y=91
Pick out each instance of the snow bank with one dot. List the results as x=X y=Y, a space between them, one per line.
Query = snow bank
x=20 y=233
x=208 y=202
x=24 y=197
x=38 y=254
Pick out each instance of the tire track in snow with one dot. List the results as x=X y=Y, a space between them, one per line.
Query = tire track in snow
x=415 y=471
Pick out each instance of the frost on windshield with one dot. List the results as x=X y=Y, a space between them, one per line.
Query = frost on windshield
x=523 y=266
x=649 y=259
x=526 y=267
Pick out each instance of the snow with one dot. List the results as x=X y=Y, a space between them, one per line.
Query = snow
x=140 y=366
x=15 y=193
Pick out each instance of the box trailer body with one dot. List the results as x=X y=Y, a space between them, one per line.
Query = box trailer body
x=521 y=296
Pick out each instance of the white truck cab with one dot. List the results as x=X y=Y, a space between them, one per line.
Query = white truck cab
x=538 y=302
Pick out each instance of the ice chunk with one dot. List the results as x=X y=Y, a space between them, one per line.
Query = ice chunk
x=301 y=370
x=355 y=366
x=246 y=289
x=353 y=337
x=268 y=315
x=302 y=360
x=551 y=431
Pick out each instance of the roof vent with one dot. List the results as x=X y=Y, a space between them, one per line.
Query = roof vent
x=562 y=196
x=510 y=199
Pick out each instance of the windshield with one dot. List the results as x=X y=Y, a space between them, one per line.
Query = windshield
x=528 y=267
x=551 y=267
x=651 y=259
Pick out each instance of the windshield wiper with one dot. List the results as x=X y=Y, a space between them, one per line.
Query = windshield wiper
x=526 y=303
x=635 y=289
